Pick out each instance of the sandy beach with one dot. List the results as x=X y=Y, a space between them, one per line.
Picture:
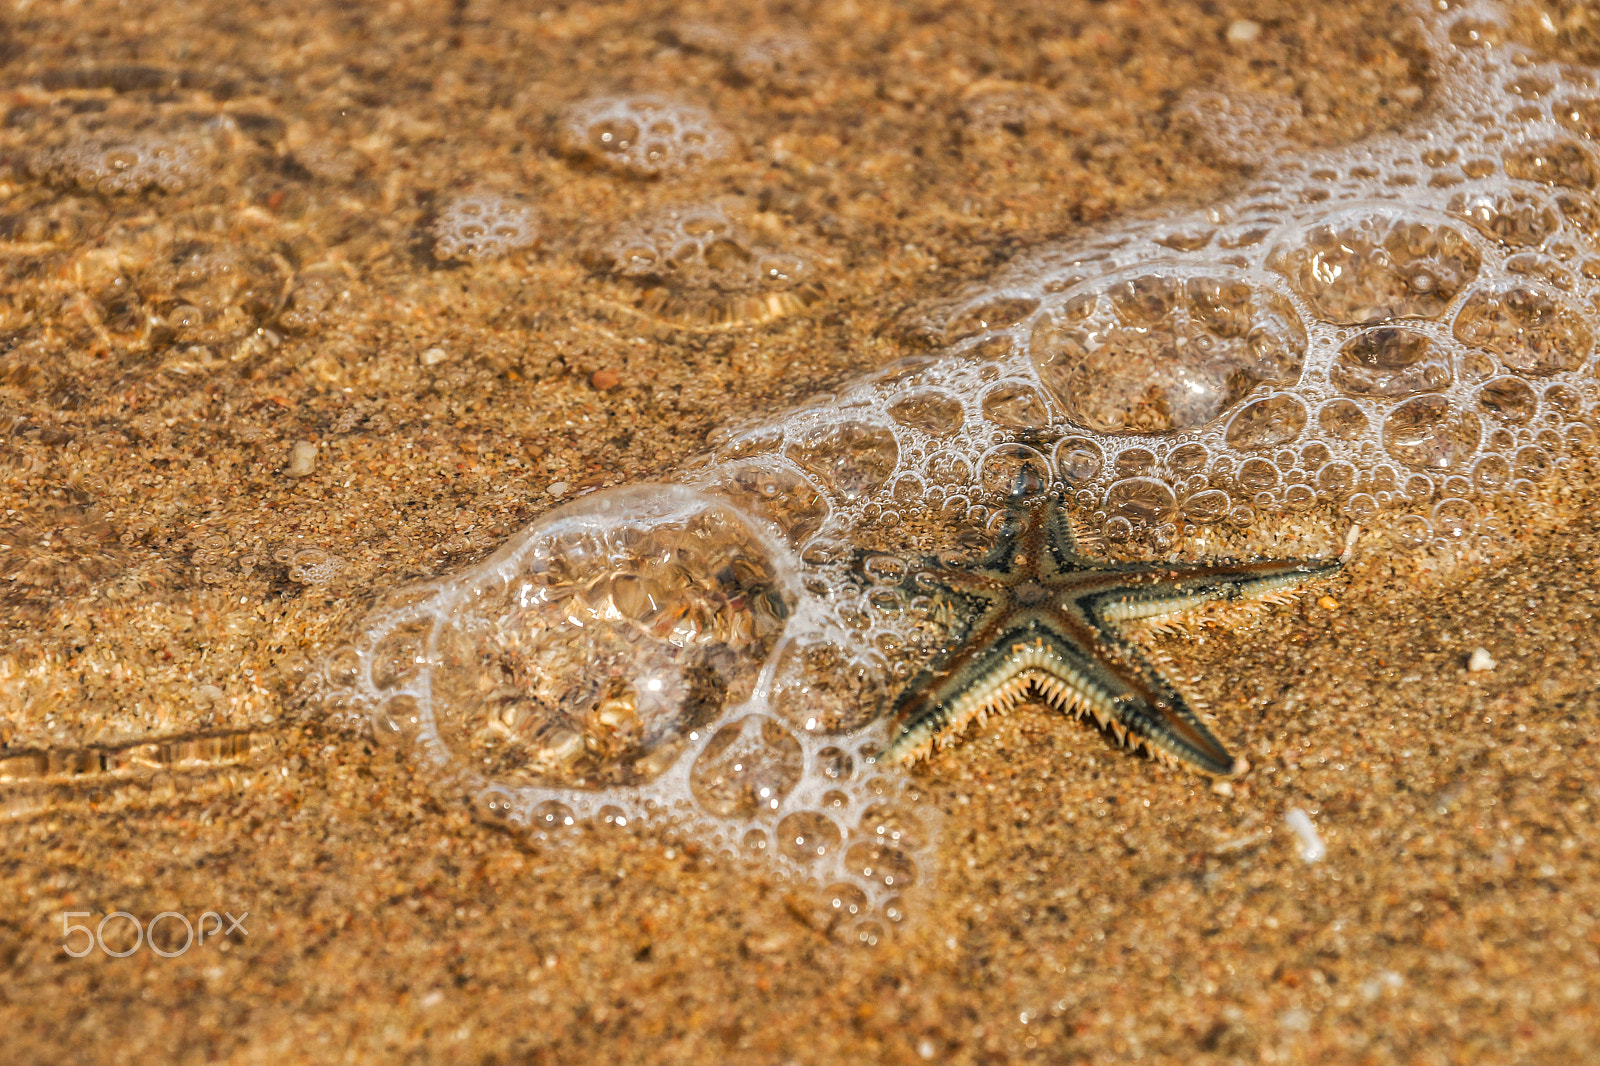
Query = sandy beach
x=262 y=365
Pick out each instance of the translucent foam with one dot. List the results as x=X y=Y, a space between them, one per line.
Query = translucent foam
x=1384 y=327
x=482 y=226
x=697 y=266
x=637 y=656
x=642 y=135
x=123 y=165
x=785 y=59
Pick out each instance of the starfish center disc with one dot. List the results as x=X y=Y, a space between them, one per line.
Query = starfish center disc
x=1031 y=594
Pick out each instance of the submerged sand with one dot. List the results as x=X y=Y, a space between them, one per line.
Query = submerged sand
x=168 y=584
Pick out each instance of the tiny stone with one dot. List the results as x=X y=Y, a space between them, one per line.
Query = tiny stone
x=434 y=356
x=1480 y=661
x=1296 y=1020
x=604 y=379
x=767 y=944
x=558 y=488
x=1312 y=849
x=1222 y=788
x=302 y=459
x=1243 y=31
x=1328 y=603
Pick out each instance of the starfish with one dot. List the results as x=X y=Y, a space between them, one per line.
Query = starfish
x=1046 y=619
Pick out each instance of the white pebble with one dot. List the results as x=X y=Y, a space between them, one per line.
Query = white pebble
x=558 y=488
x=1312 y=849
x=1481 y=662
x=1243 y=31
x=302 y=459
x=1385 y=981
x=434 y=356
x=1295 y=1020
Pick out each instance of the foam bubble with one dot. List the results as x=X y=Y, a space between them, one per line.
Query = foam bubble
x=784 y=59
x=314 y=299
x=999 y=107
x=1527 y=328
x=1390 y=361
x=1156 y=351
x=125 y=165
x=1241 y=127
x=1386 y=304
x=853 y=459
x=642 y=135
x=1377 y=265
x=217 y=295
x=481 y=226
x=695 y=265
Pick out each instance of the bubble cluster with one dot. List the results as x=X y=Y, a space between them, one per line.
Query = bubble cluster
x=622 y=659
x=1244 y=128
x=696 y=266
x=309 y=566
x=783 y=59
x=1381 y=329
x=199 y=301
x=642 y=135
x=124 y=165
x=214 y=294
x=315 y=299
x=995 y=106
x=482 y=226
x=1155 y=351
x=52 y=552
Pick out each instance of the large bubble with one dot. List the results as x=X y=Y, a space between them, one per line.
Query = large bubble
x=1378 y=265
x=1390 y=361
x=698 y=266
x=1158 y=351
x=642 y=135
x=587 y=650
x=852 y=458
x=1527 y=328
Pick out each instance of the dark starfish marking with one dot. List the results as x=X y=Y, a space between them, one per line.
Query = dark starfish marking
x=1045 y=619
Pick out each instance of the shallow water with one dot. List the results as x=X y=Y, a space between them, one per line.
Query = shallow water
x=1397 y=333
x=309 y=316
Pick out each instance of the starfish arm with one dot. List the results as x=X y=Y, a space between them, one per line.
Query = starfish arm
x=1059 y=553
x=928 y=705
x=1011 y=542
x=1112 y=679
x=1037 y=537
x=1184 y=586
x=975 y=583
x=1154 y=712
x=1067 y=662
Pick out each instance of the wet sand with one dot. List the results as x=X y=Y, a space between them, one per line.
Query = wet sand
x=159 y=611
